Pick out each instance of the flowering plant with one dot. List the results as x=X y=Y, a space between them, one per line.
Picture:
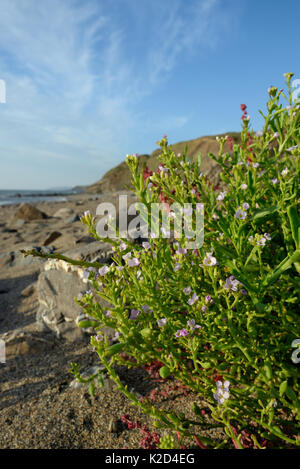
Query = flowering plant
x=220 y=319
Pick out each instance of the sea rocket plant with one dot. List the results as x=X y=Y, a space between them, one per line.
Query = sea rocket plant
x=226 y=312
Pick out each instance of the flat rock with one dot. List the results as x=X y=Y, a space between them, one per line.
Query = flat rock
x=17 y=258
x=95 y=251
x=20 y=342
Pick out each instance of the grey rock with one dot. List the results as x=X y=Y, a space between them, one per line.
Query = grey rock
x=95 y=251
x=17 y=258
x=21 y=342
x=72 y=218
x=56 y=291
x=64 y=212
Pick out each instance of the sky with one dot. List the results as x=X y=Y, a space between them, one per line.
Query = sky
x=86 y=82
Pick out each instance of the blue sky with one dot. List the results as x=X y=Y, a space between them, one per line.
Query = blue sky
x=89 y=81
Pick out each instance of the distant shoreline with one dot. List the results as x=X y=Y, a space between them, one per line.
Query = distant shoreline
x=15 y=197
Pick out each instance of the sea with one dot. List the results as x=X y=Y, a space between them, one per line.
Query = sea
x=8 y=197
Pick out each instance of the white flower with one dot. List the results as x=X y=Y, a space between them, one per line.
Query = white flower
x=146 y=245
x=244 y=186
x=222 y=391
x=103 y=271
x=127 y=256
x=162 y=322
x=133 y=262
x=221 y=196
x=284 y=171
x=210 y=260
x=240 y=214
x=181 y=251
x=232 y=283
x=261 y=241
x=193 y=299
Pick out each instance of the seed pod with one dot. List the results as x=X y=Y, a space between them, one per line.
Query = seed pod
x=116 y=348
x=268 y=371
x=164 y=371
x=146 y=332
x=86 y=323
x=283 y=388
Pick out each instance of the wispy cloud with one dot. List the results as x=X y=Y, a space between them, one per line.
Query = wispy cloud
x=77 y=73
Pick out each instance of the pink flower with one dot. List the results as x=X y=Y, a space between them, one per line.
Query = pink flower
x=133 y=262
x=193 y=299
x=104 y=270
x=193 y=325
x=182 y=332
x=240 y=214
x=134 y=313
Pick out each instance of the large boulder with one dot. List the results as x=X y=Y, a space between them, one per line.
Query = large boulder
x=58 y=286
x=29 y=212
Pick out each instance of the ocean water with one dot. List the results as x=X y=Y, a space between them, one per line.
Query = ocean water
x=8 y=197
